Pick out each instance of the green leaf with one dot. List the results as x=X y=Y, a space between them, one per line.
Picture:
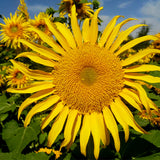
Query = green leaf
x=155 y=156
x=5 y=106
x=30 y=156
x=142 y=122
x=36 y=156
x=17 y=138
x=42 y=137
x=3 y=117
x=153 y=137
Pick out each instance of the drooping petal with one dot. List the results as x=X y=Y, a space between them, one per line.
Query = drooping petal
x=34 y=87
x=85 y=133
x=35 y=97
x=67 y=34
x=107 y=31
x=76 y=129
x=75 y=27
x=45 y=51
x=130 y=100
x=41 y=106
x=122 y=36
x=141 y=91
x=59 y=36
x=95 y=133
x=115 y=32
x=85 y=30
x=127 y=116
x=94 y=27
x=120 y=120
x=55 y=111
x=142 y=68
x=112 y=126
x=143 y=77
x=133 y=95
x=68 y=131
x=57 y=126
x=38 y=58
x=138 y=56
x=104 y=135
x=135 y=42
x=35 y=74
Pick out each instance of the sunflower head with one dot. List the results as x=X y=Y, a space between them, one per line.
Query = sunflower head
x=15 y=28
x=40 y=24
x=90 y=85
x=16 y=78
x=83 y=9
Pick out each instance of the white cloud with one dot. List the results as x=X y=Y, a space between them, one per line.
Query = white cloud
x=124 y=4
x=37 y=8
x=106 y=20
x=151 y=8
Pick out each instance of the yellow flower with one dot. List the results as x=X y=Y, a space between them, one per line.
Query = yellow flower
x=22 y=9
x=83 y=9
x=16 y=78
x=89 y=85
x=40 y=24
x=15 y=28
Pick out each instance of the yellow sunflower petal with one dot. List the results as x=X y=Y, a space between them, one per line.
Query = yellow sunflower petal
x=134 y=96
x=123 y=35
x=76 y=129
x=94 y=27
x=115 y=32
x=85 y=30
x=120 y=120
x=112 y=126
x=55 y=111
x=143 y=77
x=33 y=98
x=130 y=100
x=141 y=91
x=66 y=33
x=108 y=30
x=59 y=36
x=41 y=106
x=68 y=131
x=142 y=68
x=95 y=133
x=75 y=27
x=135 y=42
x=138 y=56
x=127 y=116
x=37 y=58
x=85 y=134
x=104 y=135
x=34 y=87
x=45 y=51
x=35 y=74
x=57 y=126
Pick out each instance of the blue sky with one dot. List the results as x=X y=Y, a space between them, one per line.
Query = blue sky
x=143 y=10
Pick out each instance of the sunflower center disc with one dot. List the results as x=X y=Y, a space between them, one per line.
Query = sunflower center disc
x=19 y=75
x=88 y=76
x=14 y=29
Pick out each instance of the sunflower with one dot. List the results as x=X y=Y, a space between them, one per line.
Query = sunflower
x=14 y=28
x=16 y=78
x=40 y=24
x=83 y=9
x=89 y=85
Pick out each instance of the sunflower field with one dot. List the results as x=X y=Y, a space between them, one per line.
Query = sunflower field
x=69 y=91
